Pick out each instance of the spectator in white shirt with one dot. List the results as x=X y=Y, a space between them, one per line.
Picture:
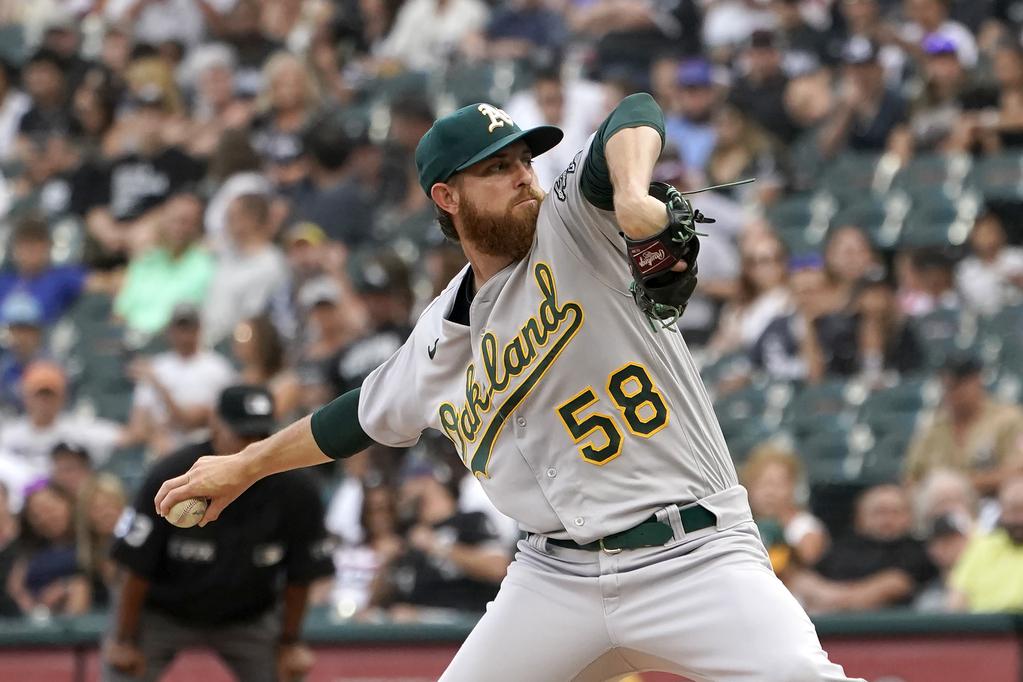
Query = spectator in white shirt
x=32 y=437
x=426 y=32
x=247 y=277
x=992 y=275
x=177 y=389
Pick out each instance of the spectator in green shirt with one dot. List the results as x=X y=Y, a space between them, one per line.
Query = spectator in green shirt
x=177 y=270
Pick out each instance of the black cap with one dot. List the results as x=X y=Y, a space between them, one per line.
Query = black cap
x=382 y=272
x=248 y=410
x=961 y=365
x=761 y=38
x=946 y=525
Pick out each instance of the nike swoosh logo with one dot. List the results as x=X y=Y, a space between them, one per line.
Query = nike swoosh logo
x=432 y=350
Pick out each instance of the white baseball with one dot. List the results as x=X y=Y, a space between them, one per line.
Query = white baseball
x=187 y=513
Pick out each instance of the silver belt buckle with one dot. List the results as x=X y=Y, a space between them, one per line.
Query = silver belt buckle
x=606 y=550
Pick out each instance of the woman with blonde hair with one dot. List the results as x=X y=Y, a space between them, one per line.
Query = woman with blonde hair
x=100 y=505
x=772 y=475
x=289 y=99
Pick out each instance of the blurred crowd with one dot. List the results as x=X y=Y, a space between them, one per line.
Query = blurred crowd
x=200 y=193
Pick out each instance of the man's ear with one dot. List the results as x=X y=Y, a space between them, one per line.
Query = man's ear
x=445 y=196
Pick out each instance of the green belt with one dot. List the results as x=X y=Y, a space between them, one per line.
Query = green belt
x=650 y=533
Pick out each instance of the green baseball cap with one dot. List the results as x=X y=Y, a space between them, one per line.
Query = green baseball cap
x=470 y=135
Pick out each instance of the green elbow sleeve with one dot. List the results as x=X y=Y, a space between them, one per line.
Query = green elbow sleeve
x=336 y=428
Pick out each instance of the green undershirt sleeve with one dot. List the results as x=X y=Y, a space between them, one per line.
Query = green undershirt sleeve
x=632 y=112
x=336 y=427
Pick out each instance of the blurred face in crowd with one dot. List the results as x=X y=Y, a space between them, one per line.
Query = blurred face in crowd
x=44 y=405
x=305 y=259
x=496 y=202
x=730 y=125
x=24 y=340
x=808 y=286
x=550 y=96
x=183 y=336
x=987 y=237
x=868 y=78
x=242 y=223
x=697 y=102
x=964 y=396
x=809 y=98
x=945 y=550
x=70 y=472
x=49 y=513
x=62 y=40
x=288 y=84
x=379 y=517
x=225 y=441
x=428 y=499
x=181 y=222
x=116 y=51
x=1008 y=67
x=859 y=14
x=764 y=62
x=772 y=491
x=44 y=82
x=848 y=255
x=948 y=493
x=149 y=122
x=883 y=513
x=216 y=85
x=1010 y=497
x=944 y=73
x=326 y=318
x=930 y=14
x=243 y=19
x=763 y=262
x=31 y=255
x=104 y=509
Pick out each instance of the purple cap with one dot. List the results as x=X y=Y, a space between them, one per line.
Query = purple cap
x=937 y=44
x=694 y=73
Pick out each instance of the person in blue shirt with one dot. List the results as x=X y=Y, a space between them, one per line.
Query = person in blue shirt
x=22 y=315
x=55 y=287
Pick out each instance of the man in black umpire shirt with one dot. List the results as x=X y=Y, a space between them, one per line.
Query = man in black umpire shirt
x=238 y=586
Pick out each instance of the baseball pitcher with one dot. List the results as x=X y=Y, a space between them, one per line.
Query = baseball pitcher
x=552 y=364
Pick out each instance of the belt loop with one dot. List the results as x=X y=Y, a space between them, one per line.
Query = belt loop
x=674 y=519
x=538 y=541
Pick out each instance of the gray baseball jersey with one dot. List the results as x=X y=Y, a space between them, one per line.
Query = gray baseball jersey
x=579 y=419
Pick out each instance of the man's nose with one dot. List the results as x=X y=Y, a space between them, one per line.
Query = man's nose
x=524 y=174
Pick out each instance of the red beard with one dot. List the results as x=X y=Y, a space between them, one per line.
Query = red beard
x=510 y=234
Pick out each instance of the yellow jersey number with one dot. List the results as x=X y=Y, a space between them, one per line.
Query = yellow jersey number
x=642 y=410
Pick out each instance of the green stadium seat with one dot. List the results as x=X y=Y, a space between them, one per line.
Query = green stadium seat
x=852 y=177
x=744 y=406
x=999 y=178
x=946 y=173
x=884 y=462
x=826 y=398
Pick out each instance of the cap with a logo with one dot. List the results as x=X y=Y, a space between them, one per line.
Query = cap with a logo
x=247 y=410
x=21 y=309
x=468 y=136
x=859 y=50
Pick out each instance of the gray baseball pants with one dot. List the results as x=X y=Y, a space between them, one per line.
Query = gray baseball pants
x=708 y=607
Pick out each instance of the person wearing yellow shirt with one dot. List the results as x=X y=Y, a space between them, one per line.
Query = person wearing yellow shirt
x=987 y=576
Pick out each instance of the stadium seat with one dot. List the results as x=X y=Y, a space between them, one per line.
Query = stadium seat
x=935 y=173
x=852 y=177
x=740 y=407
x=999 y=178
x=826 y=398
x=881 y=219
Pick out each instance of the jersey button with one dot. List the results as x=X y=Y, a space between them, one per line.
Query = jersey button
x=521 y=421
x=552 y=472
x=579 y=521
